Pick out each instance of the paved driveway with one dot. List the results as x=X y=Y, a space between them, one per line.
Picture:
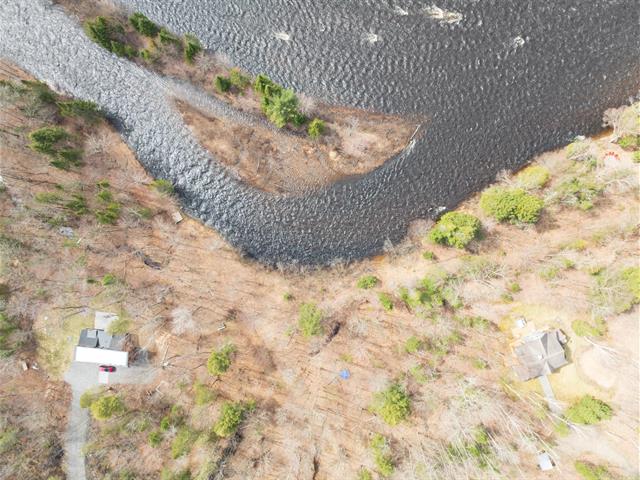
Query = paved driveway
x=82 y=377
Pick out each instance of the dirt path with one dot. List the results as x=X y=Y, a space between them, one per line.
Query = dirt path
x=81 y=377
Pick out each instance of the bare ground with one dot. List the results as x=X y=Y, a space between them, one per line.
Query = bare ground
x=309 y=423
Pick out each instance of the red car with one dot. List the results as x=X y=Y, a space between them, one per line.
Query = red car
x=107 y=368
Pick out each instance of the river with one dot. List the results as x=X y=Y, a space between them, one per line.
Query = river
x=497 y=82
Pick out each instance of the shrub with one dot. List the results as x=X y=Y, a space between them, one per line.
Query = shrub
x=44 y=139
x=41 y=91
x=382 y=455
x=413 y=344
x=87 y=398
x=67 y=158
x=238 y=80
x=220 y=360
x=107 y=406
x=143 y=25
x=167 y=474
x=534 y=176
x=455 y=229
x=231 y=417
x=583 y=328
x=100 y=31
x=281 y=109
x=479 y=448
x=155 y=438
x=183 y=442
x=386 y=301
x=222 y=84
x=192 y=47
x=167 y=38
x=631 y=278
x=8 y=439
x=589 y=471
x=164 y=187
x=316 y=128
x=479 y=323
x=392 y=404
x=79 y=108
x=77 y=205
x=207 y=470
x=580 y=192
x=588 y=410
x=428 y=255
x=636 y=157
x=266 y=87
x=617 y=292
x=108 y=215
x=48 y=197
x=109 y=279
x=367 y=282
x=202 y=394
x=513 y=205
x=629 y=142
x=364 y=474
x=310 y=320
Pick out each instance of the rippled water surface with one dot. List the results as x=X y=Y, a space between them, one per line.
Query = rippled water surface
x=496 y=81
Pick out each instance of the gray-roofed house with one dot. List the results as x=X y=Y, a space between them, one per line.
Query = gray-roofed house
x=540 y=353
x=99 y=346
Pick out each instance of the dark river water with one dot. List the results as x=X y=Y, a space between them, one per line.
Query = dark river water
x=498 y=83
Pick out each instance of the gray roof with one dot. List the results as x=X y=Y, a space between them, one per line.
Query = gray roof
x=540 y=353
x=94 y=338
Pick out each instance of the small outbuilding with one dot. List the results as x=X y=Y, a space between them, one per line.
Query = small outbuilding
x=540 y=353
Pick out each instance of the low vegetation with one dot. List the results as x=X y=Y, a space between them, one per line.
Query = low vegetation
x=590 y=471
x=477 y=448
x=231 y=417
x=588 y=410
x=455 y=229
x=533 y=177
x=310 y=320
x=220 y=360
x=393 y=404
x=514 y=205
x=382 y=455
x=367 y=282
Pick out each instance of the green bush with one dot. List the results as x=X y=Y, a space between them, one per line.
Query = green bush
x=479 y=448
x=386 y=301
x=617 y=291
x=79 y=108
x=636 y=157
x=513 y=205
x=310 y=320
x=44 y=139
x=100 y=31
x=143 y=25
x=168 y=38
x=220 y=360
x=382 y=455
x=631 y=278
x=428 y=255
x=392 y=404
x=455 y=229
x=155 y=438
x=281 y=109
x=183 y=442
x=222 y=84
x=583 y=328
x=368 y=281
x=167 y=474
x=629 y=142
x=8 y=439
x=202 y=394
x=87 y=398
x=66 y=158
x=580 y=192
x=588 y=410
x=534 y=176
x=77 y=205
x=107 y=406
x=479 y=323
x=191 y=47
x=231 y=416
x=109 y=214
x=266 y=87
x=589 y=471
x=364 y=474
x=164 y=187
x=238 y=80
x=10 y=336
x=41 y=91
x=207 y=470
x=413 y=344
x=316 y=128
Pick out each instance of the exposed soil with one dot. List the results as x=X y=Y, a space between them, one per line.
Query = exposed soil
x=287 y=161
x=309 y=422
